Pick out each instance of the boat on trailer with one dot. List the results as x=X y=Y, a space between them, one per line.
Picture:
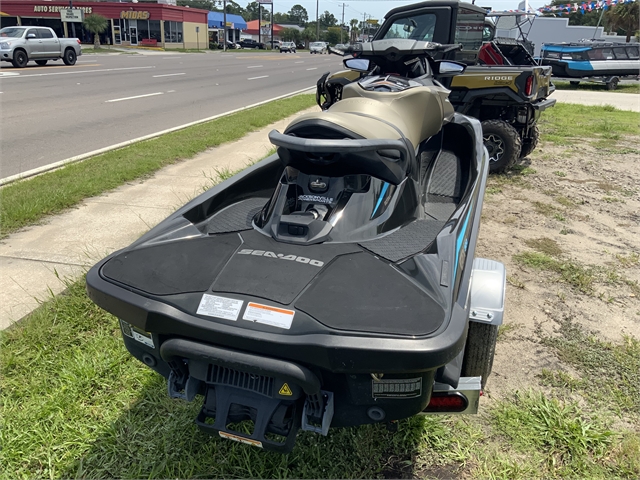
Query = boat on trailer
x=605 y=62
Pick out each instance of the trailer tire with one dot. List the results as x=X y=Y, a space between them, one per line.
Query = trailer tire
x=503 y=144
x=69 y=57
x=42 y=63
x=574 y=82
x=612 y=83
x=530 y=143
x=479 y=351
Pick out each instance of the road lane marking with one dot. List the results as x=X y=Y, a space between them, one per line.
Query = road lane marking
x=314 y=68
x=83 y=156
x=168 y=75
x=9 y=74
x=255 y=66
x=131 y=98
x=82 y=71
x=299 y=62
x=256 y=78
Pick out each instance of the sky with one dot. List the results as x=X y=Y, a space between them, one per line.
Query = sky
x=376 y=8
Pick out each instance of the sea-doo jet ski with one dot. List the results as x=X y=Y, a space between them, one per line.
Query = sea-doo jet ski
x=330 y=284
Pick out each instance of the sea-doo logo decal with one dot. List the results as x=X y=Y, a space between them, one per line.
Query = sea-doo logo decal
x=281 y=256
x=315 y=199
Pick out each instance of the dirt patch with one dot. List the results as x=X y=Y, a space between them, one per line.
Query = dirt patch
x=566 y=223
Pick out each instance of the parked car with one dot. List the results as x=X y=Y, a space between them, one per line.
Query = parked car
x=250 y=43
x=274 y=44
x=19 y=45
x=288 y=47
x=318 y=47
x=230 y=45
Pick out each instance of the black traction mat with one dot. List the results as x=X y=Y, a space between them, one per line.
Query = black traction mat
x=405 y=242
x=236 y=217
x=363 y=294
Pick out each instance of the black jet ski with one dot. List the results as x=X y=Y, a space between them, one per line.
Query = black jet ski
x=330 y=284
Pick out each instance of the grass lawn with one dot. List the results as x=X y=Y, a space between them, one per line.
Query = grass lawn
x=26 y=202
x=622 y=87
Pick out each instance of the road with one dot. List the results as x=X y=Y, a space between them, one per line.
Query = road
x=55 y=112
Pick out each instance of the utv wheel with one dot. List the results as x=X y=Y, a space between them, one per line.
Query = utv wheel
x=20 y=59
x=503 y=144
x=69 y=57
x=530 y=143
x=479 y=351
x=42 y=63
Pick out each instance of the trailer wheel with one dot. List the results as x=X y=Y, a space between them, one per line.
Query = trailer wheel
x=574 y=82
x=503 y=144
x=479 y=351
x=530 y=143
x=42 y=63
x=612 y=83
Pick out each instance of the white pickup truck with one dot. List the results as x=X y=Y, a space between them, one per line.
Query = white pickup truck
x=19 y=45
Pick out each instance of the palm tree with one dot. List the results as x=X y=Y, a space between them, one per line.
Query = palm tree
x=96 y=24
x=354 y=30
x=625 y=16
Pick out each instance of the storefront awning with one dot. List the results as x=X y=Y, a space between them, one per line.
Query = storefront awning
x=233 y=21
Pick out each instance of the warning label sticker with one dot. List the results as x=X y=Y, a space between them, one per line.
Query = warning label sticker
x=240 y=439
x=143 y=338
x=276 y=317
x=219 y=307
x=285 y=390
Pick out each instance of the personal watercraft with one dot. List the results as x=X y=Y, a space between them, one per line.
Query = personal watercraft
x=329 y=284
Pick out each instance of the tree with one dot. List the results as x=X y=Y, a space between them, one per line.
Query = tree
x=625 y=17
x=327 y=20
x=309 y=34
x=291 y=35
x=96 y=24
x=281 y=18
x=298 y=14
x=333 y=35
x=203 y=4
x=235 y=8
x=354 y=30
x=253 y=11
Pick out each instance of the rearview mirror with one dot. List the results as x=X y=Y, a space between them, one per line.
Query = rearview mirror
x=357 y=64
x=448 y=68
x=31 y=35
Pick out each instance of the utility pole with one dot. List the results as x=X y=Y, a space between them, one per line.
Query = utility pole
x=259 y=22
x=342 y=26
x=364 y=25
x=224 y=9
x=317 y=20
x=73 y=24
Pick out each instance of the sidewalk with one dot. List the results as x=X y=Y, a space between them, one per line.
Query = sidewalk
x=623 y=101
x=34 y=261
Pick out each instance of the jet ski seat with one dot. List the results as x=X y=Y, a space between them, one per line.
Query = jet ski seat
x=364 y=133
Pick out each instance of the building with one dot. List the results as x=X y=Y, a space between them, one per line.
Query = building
x=264 y=33
x=235 y=23
x=130 y=24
